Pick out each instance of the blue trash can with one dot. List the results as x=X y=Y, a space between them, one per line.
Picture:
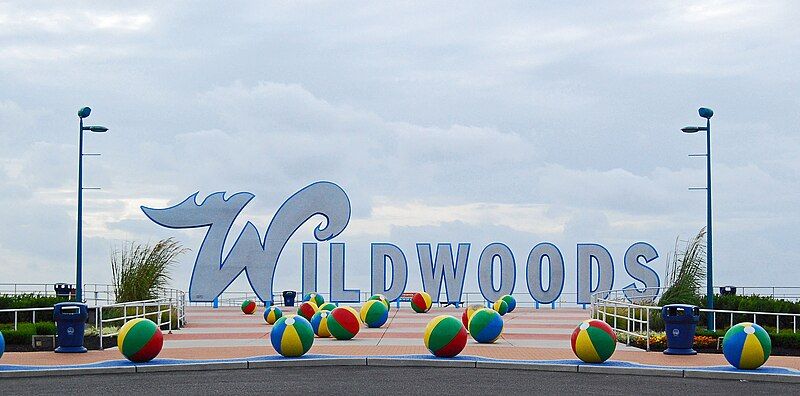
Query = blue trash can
x=288 y=298
x=70 y=318
x=681 y=324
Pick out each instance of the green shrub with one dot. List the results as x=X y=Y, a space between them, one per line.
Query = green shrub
x=25 y=330
x=140 y=270
x=21 y=301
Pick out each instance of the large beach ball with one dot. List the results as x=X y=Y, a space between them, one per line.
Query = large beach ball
x=445 y=336
x=593 y=341
x=319 y=323
x=486 y=325
x=353 y=310
x=746 y=346
x=307 y=310
x=468 y=312
x=272 y=314
x=511 y=301
x=501 y=307
x=421 y=302
x=328 y=306
x=140 y=340
x=374 y=313
x=292 y=336
x=316 y=298
x=343 y=323
x=381 y=298
x=248 y=307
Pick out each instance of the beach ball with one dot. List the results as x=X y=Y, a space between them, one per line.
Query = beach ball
x=421 y=302
x=374 y=313
x=328 y=306
x=140 y=340
x=2 y=345
x=343 y=323
x=248 y=307
x=485 y=325
x=381 y=298
x=746 y=346
x=315 y=298
x=319 y=323
x=468 y=314
x=292 y=336
x=353 y=310
x=511 y=301
x=501 y=306
x=307 y=310
x=445 y=336
x=593 y=341
x=272 y=314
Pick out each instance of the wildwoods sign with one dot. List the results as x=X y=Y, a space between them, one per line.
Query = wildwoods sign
x=258 y=256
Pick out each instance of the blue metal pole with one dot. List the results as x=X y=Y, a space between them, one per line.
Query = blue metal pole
x=709 y=256
x=79 y=264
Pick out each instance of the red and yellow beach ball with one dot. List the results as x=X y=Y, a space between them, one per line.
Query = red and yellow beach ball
x=746 y=346
x=292 y=336
x=445 y=336
x=471 y=309
x=307 y=310
x=374 y=313
x=272 y=314
x=421 y=302
x=343 y=323
x=593 y=341
x=248 y=307
x=140 y=340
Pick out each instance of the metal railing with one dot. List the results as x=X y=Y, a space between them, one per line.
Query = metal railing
x=162 y=311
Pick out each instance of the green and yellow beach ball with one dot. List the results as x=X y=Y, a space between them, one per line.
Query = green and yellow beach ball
x=593 y=341
x=445 y=336
x=319 y=323
x=292 y=336
x=374 y=313
x=328 y=306
x=421 y=302
x=272 y=314
x=316 y=298
x=485 y=326
x=500 y=306
x=381 y=298
x=746 y=346
x=511 y=301
x=140 y=340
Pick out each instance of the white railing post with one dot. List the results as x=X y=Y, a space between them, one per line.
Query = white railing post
x=100 y=326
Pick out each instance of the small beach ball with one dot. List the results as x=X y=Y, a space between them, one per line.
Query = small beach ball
x=445 y=336
x=248 y=307
x=272 y=314
x=468 y=314
x=315 y=298
x=328 y=306
x=319 y=323
x=593 y=341
x=511 y=301
x=486 y=325
x=307 y=310
x=343 y=323
x=140 y=340
x=374 y=313
x=501 y=307
x=746 y=346
x=292 y=336
x=381 y=298
x=421 y=302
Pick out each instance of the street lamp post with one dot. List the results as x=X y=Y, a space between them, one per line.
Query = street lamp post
x=82 y=113
x=707 y=114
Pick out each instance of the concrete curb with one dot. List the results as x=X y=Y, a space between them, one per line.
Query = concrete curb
x=741 y=375
x=54 y=372
x=401 y=362
x=146 y=368
x=567 y=368
x=345 y=361
x=648 y=371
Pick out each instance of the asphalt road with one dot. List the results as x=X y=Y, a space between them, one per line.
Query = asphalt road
x=381 y=380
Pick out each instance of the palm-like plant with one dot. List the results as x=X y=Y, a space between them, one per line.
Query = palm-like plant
x=686 y=273
x=140 y=270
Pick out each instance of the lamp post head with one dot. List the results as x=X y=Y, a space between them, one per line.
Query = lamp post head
x=705 y=112
x=690 y=129
x=84 y=112
x=96 y=128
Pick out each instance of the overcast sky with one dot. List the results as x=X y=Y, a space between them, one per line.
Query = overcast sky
x=447 y=122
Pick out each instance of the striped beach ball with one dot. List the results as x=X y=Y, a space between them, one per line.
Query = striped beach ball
x=315 y=298
x=501 y=307
x=486 y=326
x=343 y=323
x=319 y=323
x=292 y=336
x=140 y=340
x=421 y=302
x=307 y=310
x=381 y=298
x=445 y=336
x=511 y=301
x=746 y=346
x=593 y=341
x=328 y=306
x=374 y=313
x=248 y=307
x=272 y=314
x=468 y=314
x=353 y=310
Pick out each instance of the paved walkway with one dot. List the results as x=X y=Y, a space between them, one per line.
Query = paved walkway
x=529 y=334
